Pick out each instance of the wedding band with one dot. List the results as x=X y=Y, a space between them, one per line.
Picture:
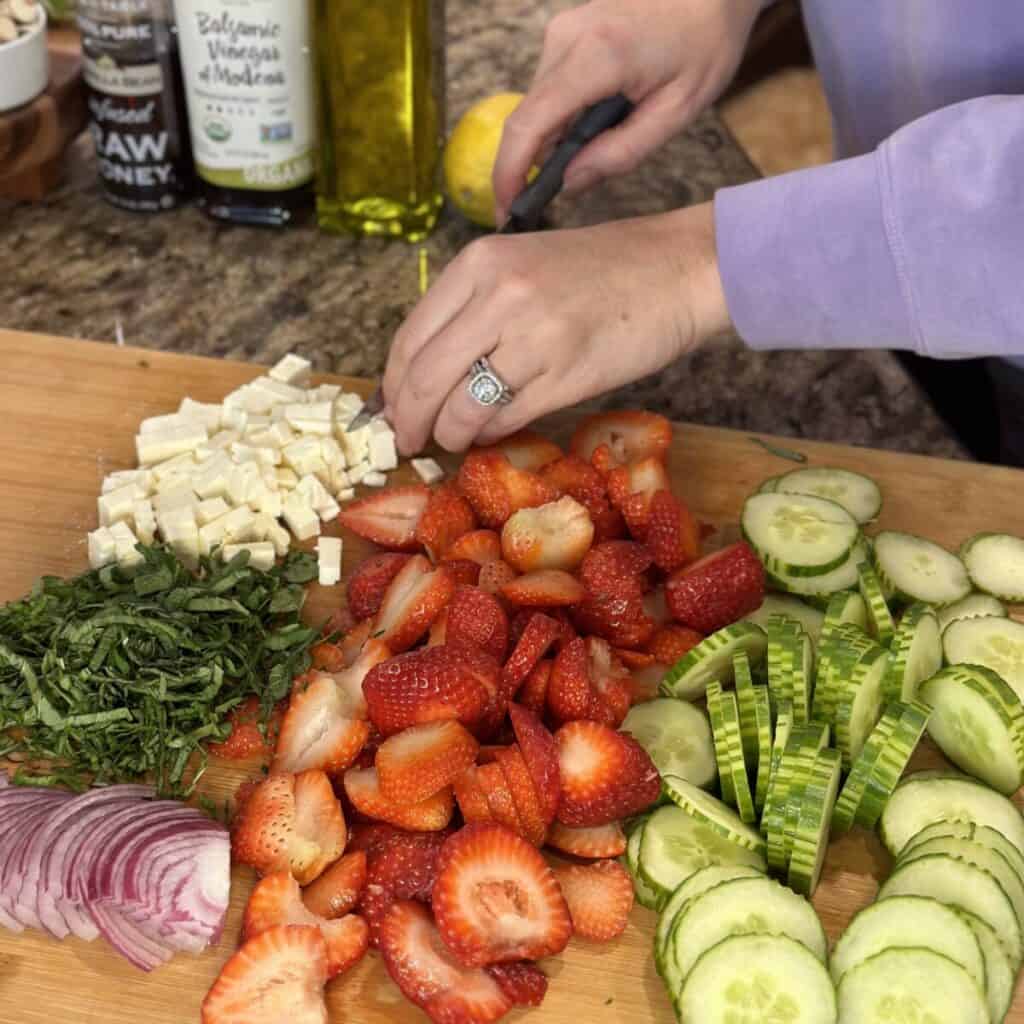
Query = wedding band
x=485 y=386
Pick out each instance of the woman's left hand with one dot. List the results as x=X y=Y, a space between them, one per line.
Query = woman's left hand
x=561 y=316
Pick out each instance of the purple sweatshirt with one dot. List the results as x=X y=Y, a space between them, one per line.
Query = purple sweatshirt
x=914 y=238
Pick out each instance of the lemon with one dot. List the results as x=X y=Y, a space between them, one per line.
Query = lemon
x=470 y=154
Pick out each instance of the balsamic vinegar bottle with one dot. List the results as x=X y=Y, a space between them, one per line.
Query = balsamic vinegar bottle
x=248 y=81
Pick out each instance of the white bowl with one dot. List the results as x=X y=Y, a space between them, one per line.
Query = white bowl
x=24 y=66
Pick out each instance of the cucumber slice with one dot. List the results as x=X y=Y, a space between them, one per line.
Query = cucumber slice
x=914 y=569
x=859 y=703
x=845 y=607
x=810 y=840
x=858 y=494
x=711 y=660
x=897 y=750
x=910 y=986
x=744 y=906
x=973 y=606
x=746 y=706
x=742 y=797
x=851 y=797
x=797 y=535
x=781 y=606
x=779 y=660
x=818 y=589
x=758 y=978
x=646 y=896
x=999 y=970
x=842 y=647
x=995 y=643
x=677 y=736
x=956 y=882
x=880 y=622
x=977 y=721
x=675 y=844
x=973 y=833
x=723 y=748
x=783 y=729
x=995 y=564
x=763 y=717
x=714 y=814
x=906 y=922
x=916 y=653
x=768 y=486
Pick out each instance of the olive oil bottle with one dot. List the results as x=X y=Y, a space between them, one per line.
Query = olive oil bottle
x=379 y=71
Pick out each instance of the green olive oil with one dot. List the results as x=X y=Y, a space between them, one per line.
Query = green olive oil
x=380 y=104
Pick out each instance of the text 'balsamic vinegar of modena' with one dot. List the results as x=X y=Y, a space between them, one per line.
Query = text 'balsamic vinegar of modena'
x=249 y=84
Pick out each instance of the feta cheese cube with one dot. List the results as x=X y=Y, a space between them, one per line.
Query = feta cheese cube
x=124 y=542
x=323 y=393
x=331 y=453
x=382 y=454
x=102 y=548
x=270 y=504
x=356 y=444
x=374 y=479
x=428 y=470
x=144 y=520
x=210 y=509
x=346 y=494
x=273 y=531
x=179 y=465
x=261 y=554
x=291 y=369
x=300 y=517
x=347 y=407
x=155 y=424
x=171 y=519
x=207 y=413
x=234 y=418
x=212 y=481
x=239 y=525
x=314 y=492
x=339 y=481
x=165 y=444
x=115 y=506
x=242 y=482
x=211 y=534
x=315 y=418
x=183 y=540
x=287 y=479
x=241 y=452
x=177 y=493
x=142 y=478
x=278 y=391
x=304 y=456
x=357 y=472
x=328 y=551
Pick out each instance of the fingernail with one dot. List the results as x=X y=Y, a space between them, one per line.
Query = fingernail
x=577 y=181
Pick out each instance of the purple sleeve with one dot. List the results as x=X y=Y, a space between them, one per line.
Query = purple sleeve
x=919 y=245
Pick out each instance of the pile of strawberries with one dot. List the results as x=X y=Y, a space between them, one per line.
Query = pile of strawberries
x=467 y=717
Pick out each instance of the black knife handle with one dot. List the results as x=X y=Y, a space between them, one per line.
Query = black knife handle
x=526 y=208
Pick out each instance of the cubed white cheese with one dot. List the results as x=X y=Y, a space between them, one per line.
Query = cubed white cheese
x=102 y=548
x=291 y=369
x=180 y=464
x=339 y=481
x=241 y=452
x=183 y=539
x=278 y=391
x=328 y=551
x=347 y=407
x=144 y=520
x=428 y=470
x=210 y=509
x=300 y=517
x=142 y=478
x=116 y=506
x=221 y=441
x=125 y=541
x=242 y=481
x=374 y=479
x=234 y=418
x=323 y=393
x=207 y=413
x=261 y=554
x=331 y=453
x=165 y=444
x=155 y=424
x=270 y=503
x=314 y=492
x=304 y=456
x=211 y=535
x=356 y=445
x=270 y=529
x=315 y=418
x=346 y=494
x=212 y=480
x=171 y=519
x=180 y=495
x=287 y=478
x=358 y=471
x=238 y=524
x=382 y=454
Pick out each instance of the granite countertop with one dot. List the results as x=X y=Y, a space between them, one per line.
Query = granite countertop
x=73 y=265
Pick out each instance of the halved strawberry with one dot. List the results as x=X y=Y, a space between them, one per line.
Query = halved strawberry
x=671 y=642
x=430 y=976
x=496 y=489
x=445 y=519
x=430 y=684
x=631 y=488
x=523 y=982
x=246 y=738
x=616 y=569
x=622 y=621
x=525 y=449
x=388 y=518
x=480 y=546
x=496 y=900
x=672 y=533
x=350 y=680
x=545 y=588
x=718 y=590
x=277 y=900
x=533 y=694
x=419 y=761
x=608 y=676
x=594 y=843
x=290 y=823
x=600 y=897
x=327 y=657
x=494 y=575
x=464 y=571
x=605 y=775
x=524 y=794
x=540 y=633
x=491 y=780
x=369 y=582
x=540 y=752
x=552 y=536
x=317 y=730
x=414 y=599
x=471 y=798
x=338 y=889
x=362 y=787
x=277 y=976
x=629 y=433
x=477 y=618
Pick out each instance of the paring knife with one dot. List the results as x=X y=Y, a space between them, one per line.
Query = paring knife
x=525 y=212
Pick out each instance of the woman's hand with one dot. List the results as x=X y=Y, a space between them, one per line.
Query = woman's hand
x=561 y=315
x=672 y=58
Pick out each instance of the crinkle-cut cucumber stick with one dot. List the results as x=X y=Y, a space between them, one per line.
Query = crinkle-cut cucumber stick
x=858 y=494
x=852 y=794
x=810 y=840
x=914 y=569
x=745 y=705
x=916 y=653
x=977 y=721
x=798 y=535
x=1000 y=974
x=859 y=703
x=880 y=622
x=995 y=564
x=785 y=607
x=763 y=717
x=973 y=606
x=846 y=607
x=743 y=798
x=711 y=660
x=994 y=643
x=677 y=735
x=840 y=651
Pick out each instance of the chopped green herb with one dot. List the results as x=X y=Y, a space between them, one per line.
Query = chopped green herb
x=782 y=453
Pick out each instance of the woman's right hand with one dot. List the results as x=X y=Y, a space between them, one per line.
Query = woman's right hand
x=672 y=58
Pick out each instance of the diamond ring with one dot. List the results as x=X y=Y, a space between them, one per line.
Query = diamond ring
x=485 y=386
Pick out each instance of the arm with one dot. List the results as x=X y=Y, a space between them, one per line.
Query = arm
x=919 y=245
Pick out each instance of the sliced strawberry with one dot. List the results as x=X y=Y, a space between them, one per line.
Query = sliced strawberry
x=317 y=730
x=494 y=575
x=524 y=983
x=600 y=897
x=496 y=489
x=566 y=631
x=643 y=683
x=496 y=900
x=277 y=976
x=247 y=738
x=629 y=433
x=445 y=519
x=471 y=798
x=480 y=546
x=594 y=843
x=545 y=588
x=290 y=823
x=608 y=676
x=419 y=761
x=672 y=534
x=327 y=657
x=606 y=775
x=552 y=536
x=350 y=681
x=373 y=837
x=438 y=634
x=430 y=684
x=491 y=780
x=464 y=570
x=633 y=659
x=414 y=599
x=277 y=899
x=631 y=488
x=337 y=890
x=524 y=794
x=540 y=633
x=526 y=449
x=430 y=976
x=622 y=621
x=362 y=787
x=533 y=694
x=540 y=752
x=570 y=694
x=671 y=642
x=616 y=569
x=718 y=590
x=477 y=618
x=388 y=518
x=369 y=583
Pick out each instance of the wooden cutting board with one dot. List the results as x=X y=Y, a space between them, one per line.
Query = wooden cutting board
x=68 y=412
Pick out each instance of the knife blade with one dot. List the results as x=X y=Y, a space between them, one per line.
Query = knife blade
x=525 y=212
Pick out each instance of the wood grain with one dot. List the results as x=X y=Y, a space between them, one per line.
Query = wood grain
x=68 y=412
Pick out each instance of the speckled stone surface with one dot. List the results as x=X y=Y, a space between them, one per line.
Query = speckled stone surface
x=75 y=266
